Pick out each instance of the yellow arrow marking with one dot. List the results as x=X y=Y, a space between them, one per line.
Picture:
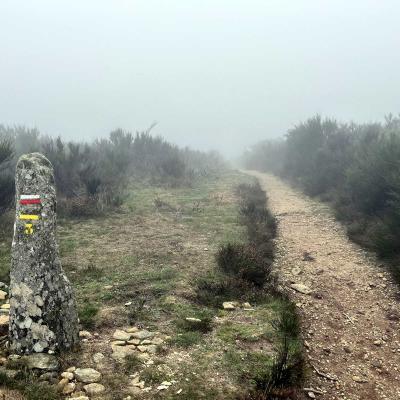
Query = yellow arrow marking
x=28 y=229
x=28 y=216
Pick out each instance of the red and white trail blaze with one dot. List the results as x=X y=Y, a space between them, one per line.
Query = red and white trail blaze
x=30 y=199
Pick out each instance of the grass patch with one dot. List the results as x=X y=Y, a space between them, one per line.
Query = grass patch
x=186 y=339
x=27 y=384
x=230 y=332
x=87 y=315
x=153 y=375
x=199 y=321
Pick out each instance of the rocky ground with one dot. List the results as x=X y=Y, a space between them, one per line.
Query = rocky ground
x=348 y=302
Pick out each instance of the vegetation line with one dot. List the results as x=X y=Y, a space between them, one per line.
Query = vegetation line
x=252 y=263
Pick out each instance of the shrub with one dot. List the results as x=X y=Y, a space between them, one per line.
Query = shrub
x=286 y=372
x=244 y=262
x=186 y=339
x=212 y=290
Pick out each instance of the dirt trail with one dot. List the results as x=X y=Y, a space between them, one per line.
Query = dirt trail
x=351 y=318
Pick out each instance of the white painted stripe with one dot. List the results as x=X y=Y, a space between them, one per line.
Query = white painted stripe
x=30 y=196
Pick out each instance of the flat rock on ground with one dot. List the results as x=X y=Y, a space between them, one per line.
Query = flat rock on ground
x=42 y=361
x=87 y=375
x=352 y=305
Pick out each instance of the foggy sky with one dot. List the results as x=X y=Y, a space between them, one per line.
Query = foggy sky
x=213 y=73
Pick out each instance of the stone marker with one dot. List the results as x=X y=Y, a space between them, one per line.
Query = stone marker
x=43 y=316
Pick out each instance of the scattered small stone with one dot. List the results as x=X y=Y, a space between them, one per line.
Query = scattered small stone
x=347 y=349
x=128 y=304
x=68 y=375
x=79 y=393
x=152 y=349
x=69 y=388
x=189 y=319
x=134 y=390
x=296 y=271
x=4 y=322
x=311 y=395
x=143 y=357
x=62 y=383
x=98 y=357
x=3 y=295
x=157 y=341
x=301 y=288
x=133 y=329
x=94 y=389
x=179 y=391
x=137 y=382
x=359 y=379
x=166 y=383
x=228 y=305
x=108 y=287
x=118 y=343
x=87 y=375
x=85 y=334
x=307 y=256
x=143 y=334
x=121 y=335
x=120 y=352
x=71 y=369
x=162 y=387
x=378 y=342
x=79 y=398
x=135 y=342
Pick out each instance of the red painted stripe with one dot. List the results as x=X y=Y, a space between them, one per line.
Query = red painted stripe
x=30 y=201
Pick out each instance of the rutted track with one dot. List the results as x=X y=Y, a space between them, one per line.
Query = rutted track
x=350 y=320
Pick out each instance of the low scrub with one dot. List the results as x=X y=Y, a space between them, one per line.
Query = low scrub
x=244 y=262
x=92 y=178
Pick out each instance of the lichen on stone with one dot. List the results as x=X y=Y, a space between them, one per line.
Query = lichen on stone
x=43 y=315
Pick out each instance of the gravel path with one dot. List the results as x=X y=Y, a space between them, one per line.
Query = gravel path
x=350 y=318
